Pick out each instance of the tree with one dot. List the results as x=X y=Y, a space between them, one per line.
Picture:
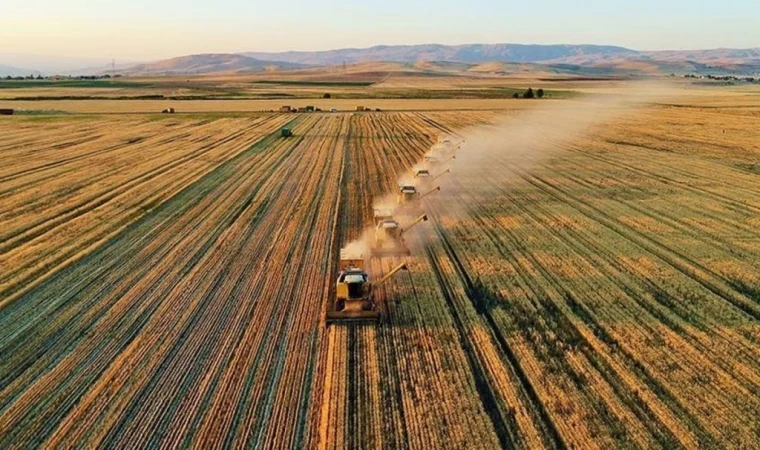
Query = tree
x=515 y=95
x=540 y=93
x=529 y=93
x=39 y=77
x=327 y=95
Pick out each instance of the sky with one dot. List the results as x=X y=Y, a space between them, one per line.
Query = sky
x=141 y=30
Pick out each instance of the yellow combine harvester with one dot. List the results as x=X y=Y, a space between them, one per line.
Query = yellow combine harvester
x=354 y=300
x=446 y=145
x=389 y=237
x=383 y=214
x=434 y=159
x=430 y=179
x=408 y=193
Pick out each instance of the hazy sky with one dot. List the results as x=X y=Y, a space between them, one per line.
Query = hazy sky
x=152 y=29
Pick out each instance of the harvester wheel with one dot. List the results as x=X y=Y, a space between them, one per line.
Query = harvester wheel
x=367 y=305
x=340 y=304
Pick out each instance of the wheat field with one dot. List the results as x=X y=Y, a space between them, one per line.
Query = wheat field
x=164 y=279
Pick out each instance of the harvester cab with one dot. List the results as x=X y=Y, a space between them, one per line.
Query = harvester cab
x=431 y=158
x=353 y=294
x=407 y=194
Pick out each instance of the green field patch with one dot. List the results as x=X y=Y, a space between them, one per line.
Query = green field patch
x=19 y=84
x=316 y=83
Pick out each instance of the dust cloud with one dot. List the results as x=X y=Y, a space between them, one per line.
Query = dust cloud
x=476 y=158
x=359 y=249
x=523 y=140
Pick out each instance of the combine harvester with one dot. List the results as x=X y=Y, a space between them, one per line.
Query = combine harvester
x=383 y=214
x=445 y=145
x=434 y=159
x=389 y=237
x=442 y=152
x=354 y=301
x=408 y=193
x=428 y=180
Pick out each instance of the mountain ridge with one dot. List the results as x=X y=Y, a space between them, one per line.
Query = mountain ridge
x=12 y=71
x=469 y=53
x=586 y=57
x=206 y=63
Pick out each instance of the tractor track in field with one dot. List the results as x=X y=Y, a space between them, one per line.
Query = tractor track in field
x=674 y=258
x=41 y=228
x=541 y=416
x=667 y=439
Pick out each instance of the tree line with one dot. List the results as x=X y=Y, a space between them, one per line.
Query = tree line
x=530 y=94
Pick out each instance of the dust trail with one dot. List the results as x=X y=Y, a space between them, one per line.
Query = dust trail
x=476 y=155
x=523 y=140
x=359 y=249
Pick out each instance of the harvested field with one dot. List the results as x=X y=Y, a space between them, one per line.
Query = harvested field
x=163 y=282
x=223 y=106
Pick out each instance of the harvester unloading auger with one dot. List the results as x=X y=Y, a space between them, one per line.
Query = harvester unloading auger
x=435 y=189
x=440 y=175
x=354 y=301
x=389 y=237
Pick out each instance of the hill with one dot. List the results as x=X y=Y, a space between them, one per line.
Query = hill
x=205 y=64
x=6 y=70
x=516 y=53
x=589 y=59
x=470 y=53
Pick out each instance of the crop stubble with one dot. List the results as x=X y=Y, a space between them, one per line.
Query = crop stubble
x=164 y=282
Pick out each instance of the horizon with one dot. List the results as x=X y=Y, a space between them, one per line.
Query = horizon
x=107 y=60
x=125 y=31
